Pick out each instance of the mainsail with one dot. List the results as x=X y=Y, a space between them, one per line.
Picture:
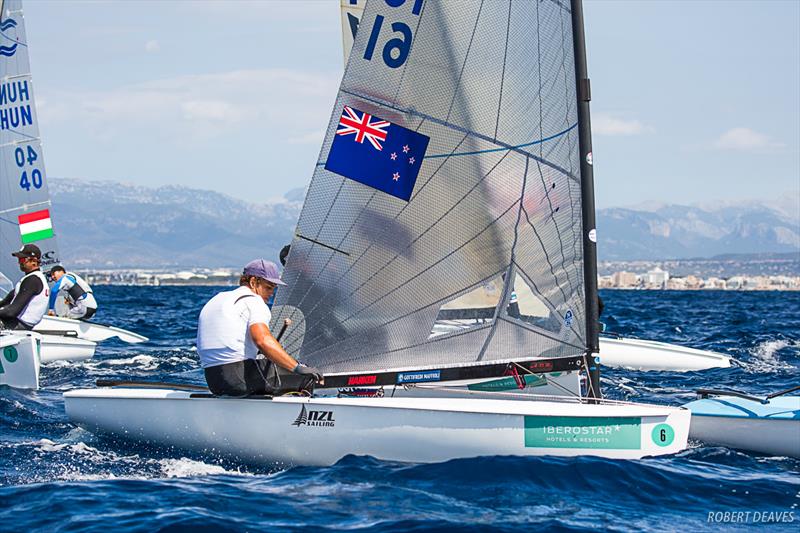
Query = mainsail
x=24 y=197
x=491 y=236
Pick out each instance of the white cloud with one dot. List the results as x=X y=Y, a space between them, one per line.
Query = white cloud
x=152 y=46
x=312 y=137
x=205 y=105
x=746 y=140
x=607 y=124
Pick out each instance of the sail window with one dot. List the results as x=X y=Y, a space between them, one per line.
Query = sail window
x=473 y=308
x=525 y=305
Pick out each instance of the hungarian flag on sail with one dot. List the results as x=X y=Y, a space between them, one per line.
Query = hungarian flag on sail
x=35 y=226
x=377 y=153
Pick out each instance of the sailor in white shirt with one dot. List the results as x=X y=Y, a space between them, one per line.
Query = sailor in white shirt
x=234 y=327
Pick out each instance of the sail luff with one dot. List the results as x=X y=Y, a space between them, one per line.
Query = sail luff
x=587 y=199
x=23 y=180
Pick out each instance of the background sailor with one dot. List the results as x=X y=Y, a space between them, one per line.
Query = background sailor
x=24 y=307
x=77 y=294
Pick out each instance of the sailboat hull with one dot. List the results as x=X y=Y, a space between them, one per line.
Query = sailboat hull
x=640 y=354
x=19 y=360
x=66 y=348
x=771 y=428
x=91 y=331
x=322 y=430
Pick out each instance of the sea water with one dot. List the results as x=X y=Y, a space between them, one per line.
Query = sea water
x=55 y=476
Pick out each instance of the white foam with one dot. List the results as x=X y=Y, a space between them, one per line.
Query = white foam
x=184 y=467
x=766 y=357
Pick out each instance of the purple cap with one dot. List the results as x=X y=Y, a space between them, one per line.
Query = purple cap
x=263 y=269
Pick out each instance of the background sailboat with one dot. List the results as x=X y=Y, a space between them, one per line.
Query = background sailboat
x=25 y=208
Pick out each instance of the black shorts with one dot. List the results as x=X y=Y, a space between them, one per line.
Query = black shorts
x=13 y=323
x=255 y=377
x=90 y=311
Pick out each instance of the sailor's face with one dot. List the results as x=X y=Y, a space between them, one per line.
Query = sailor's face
x=28 y=264
x=262 y=287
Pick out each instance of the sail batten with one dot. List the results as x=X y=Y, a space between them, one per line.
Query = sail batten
x=493 y=214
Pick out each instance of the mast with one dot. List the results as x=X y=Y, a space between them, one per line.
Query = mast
x=587 y=199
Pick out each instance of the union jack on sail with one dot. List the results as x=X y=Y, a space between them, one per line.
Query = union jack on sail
x=363 y=127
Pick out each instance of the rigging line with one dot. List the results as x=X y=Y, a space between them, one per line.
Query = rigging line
x=368 y=248
x=553 y=309
x=461 y=129
x=464 y=63
x=552 y=383
x=23 y=207
x=503 y=76
x=514 y=148
x=542 y=332
x=13 y=40
x=321 y=244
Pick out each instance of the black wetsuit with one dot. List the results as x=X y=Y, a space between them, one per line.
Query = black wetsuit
x=13 y=304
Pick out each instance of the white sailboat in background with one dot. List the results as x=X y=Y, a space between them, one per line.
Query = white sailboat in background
x=456 y=165
x=25 y=207
x=24 y=201
x=616 y=351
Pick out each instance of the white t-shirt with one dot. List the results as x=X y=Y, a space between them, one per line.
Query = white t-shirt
x=223 y=330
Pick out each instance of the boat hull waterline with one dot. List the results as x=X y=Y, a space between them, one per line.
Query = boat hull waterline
x=91 y=331
x=322 y=430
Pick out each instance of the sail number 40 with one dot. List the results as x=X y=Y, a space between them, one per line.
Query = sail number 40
x=29 y=157
x=395 y=50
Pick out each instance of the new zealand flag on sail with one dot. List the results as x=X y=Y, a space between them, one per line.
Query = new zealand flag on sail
x=377 y=153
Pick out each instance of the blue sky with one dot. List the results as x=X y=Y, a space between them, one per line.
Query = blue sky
x=693 y=101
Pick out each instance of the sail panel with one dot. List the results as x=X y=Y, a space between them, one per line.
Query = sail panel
x=492 y=86
x=23 y=181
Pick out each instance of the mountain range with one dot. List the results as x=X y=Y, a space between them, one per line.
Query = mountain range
x=110 y=224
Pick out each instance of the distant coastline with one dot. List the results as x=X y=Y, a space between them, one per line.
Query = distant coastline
x=654 y=279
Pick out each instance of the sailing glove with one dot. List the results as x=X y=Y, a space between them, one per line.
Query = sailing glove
x=304 y=370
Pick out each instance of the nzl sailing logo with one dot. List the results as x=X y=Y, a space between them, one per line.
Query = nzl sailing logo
x=314 y=418
x=6 y=25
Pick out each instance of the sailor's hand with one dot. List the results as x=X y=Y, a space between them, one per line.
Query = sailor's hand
x=304 y=370
x=51 y=313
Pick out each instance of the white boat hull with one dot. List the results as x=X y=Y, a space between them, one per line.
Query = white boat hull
x=19 y=360
x=640 y=354
x=91 y=331
x=770 y=427
x=769 y=437
x=66 y=348
x=322 y=430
